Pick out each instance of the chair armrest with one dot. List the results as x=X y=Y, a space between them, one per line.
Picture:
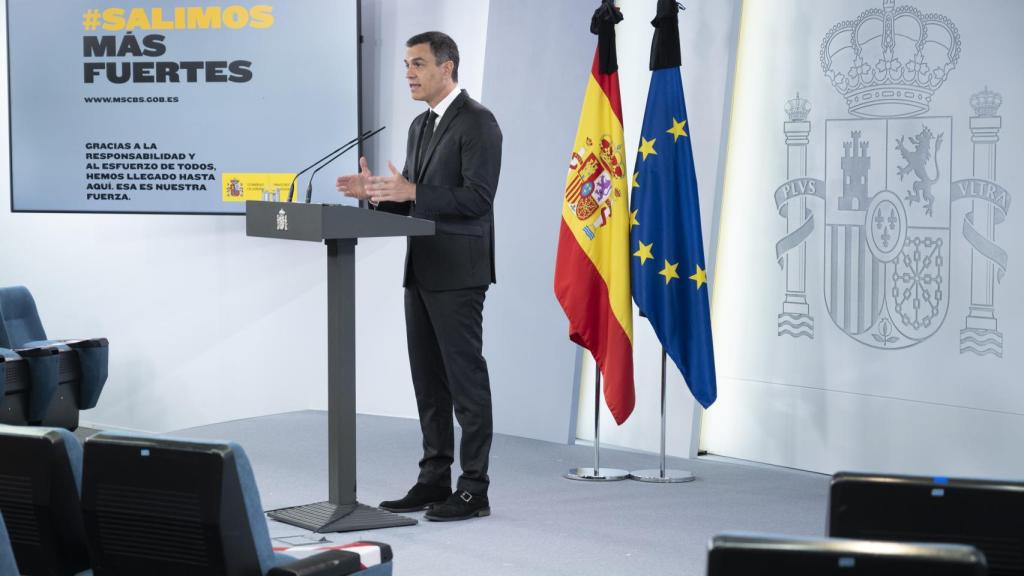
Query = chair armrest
x=8 y=355
x=87 y=343
x=329 y=563
x=38 y=351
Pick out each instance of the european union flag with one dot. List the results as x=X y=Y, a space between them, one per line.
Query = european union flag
x=668 y=272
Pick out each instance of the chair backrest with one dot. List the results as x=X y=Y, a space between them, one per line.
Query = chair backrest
x=40 y=477
x=7 y=565
x=755 y=554
x=172 y=506
x=988 y=514
x=19 y=319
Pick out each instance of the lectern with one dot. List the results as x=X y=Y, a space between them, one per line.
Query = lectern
x=339 y=227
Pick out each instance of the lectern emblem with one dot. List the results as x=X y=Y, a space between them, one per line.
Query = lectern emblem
x=282 y=220
x=887 y=191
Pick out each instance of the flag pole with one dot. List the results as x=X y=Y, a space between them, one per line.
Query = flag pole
x=597 y=474
x=662 y=475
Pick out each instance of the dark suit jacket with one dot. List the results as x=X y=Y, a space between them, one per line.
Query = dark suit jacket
x=455 y=188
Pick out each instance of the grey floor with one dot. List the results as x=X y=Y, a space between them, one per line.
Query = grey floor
x=541 y=523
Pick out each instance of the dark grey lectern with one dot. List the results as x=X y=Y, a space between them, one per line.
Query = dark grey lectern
x=339 y=227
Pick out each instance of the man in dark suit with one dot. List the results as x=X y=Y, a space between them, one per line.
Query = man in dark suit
x=452 y=161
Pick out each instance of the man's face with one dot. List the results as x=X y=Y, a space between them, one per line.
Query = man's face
x=428 y=82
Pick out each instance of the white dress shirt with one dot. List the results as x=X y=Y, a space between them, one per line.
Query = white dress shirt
x=443 y=105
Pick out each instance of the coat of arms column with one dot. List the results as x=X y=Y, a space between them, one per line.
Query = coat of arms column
x=989 y=204
x=791 y=199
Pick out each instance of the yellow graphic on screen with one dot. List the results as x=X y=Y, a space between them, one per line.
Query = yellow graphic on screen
x=242 y=186
x=234 y=17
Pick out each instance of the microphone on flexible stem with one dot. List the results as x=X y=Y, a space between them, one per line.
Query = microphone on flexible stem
x=366 y=136
x=291 y=187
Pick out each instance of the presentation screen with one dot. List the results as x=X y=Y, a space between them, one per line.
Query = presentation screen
x=189 y=108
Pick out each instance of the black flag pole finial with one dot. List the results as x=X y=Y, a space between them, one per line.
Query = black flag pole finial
x=603 y=24
x=665 y=51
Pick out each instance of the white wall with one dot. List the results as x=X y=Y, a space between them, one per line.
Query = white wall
x=531 y=359
x=207 y=325
x=830 y=402
x=707 y=38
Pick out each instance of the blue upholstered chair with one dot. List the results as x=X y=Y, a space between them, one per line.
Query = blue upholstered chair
x=19 y=319
x=6 y=355
x=40 y=479
x=988 y=513
x=22 y=331
x=180 y=506
x=7 y=565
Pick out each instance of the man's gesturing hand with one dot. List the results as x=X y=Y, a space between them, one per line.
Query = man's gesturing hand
x=394 y=188
x=355 y=185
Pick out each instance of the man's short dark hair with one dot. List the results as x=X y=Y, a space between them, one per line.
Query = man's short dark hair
x=442 y=47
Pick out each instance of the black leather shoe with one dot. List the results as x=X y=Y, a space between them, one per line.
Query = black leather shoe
x=461 y=505
x=420 y=497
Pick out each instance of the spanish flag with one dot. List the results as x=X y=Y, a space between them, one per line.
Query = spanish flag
x=593 y=264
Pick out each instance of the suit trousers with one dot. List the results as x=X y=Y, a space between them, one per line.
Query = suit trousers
x=449 y=372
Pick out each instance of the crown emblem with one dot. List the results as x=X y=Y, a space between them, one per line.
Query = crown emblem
x=890 y=61
x=986 y=102
x=798 y=109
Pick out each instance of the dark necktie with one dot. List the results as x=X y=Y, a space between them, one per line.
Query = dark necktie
x=428 y=133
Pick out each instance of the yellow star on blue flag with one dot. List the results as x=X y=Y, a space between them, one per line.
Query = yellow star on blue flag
x=647 y=147
x=678 y=129
x=700 y=277
x=644 y=252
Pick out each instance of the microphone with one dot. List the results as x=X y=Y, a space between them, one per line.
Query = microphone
x=291 y=187
x=366 y=136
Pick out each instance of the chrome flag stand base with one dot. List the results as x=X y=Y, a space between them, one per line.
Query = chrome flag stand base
x=597 y=474
x=661 y=475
